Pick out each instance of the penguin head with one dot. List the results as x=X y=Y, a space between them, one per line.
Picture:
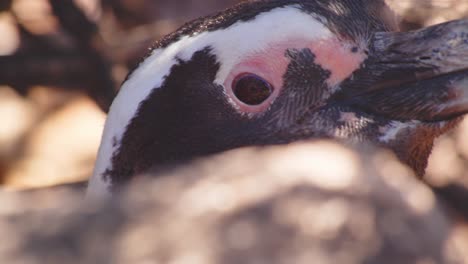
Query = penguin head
x=277 y=71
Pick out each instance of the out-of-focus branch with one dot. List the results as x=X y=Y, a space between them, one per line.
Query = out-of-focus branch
x=74 y=21
x=45 y=69
x=5 y=5
x=84 y=32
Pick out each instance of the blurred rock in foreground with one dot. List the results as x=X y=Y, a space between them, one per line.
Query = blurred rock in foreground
x=303 y=203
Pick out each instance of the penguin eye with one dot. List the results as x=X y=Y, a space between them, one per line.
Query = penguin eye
x=251 y=89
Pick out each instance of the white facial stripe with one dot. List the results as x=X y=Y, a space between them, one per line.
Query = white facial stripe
x=391 y=131
x=230 y=45
x=275 y=26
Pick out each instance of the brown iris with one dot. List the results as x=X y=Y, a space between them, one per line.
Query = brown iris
x=251 y=89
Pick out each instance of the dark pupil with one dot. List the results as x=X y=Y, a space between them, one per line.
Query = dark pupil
x=252 y=90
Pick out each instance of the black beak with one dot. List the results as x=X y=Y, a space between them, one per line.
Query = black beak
x=417 y=75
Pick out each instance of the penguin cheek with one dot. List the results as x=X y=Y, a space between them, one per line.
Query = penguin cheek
x=271 y=64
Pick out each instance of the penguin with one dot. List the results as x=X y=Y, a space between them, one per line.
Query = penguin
x=271 y=72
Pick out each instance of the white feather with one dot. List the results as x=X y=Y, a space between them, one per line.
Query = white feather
x=392 y=130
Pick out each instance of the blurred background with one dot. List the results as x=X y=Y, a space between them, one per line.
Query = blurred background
x=61 y=62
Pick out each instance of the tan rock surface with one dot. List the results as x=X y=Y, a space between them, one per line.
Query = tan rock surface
x=286 y=204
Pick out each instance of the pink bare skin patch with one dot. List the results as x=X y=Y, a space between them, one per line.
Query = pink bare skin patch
x=271 y=64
